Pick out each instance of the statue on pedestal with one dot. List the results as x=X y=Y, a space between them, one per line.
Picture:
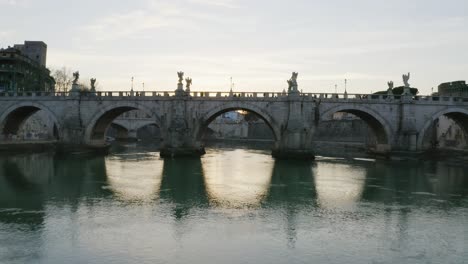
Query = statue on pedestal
x=180 y=86
x=292 y=83
x=294 y=79
x=93 y=82
x=76 y=76
x=181 y=76
x=188 y=82
x=75 y=89
x=406 y=89
x=406 y=79
x=390 y=88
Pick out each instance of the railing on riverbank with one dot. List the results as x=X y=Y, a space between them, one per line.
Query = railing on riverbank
x=239 y=95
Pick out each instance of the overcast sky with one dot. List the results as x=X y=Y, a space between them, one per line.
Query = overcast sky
x=257 y=42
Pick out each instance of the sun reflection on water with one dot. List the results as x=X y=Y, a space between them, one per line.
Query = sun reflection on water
x=237 y=178
x=135 y=177
x=338 y=185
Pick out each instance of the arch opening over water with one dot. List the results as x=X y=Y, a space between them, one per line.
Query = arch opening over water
x=446 y=129
x=241 y=124
x=380 y=131
x=103 y=122
x=105 y=118
x=134 y=125
x=29 y=122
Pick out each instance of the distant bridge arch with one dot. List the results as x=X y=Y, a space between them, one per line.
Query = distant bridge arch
x=135 y=124
x=376 y=122
x=214 y=112
x=102 y=119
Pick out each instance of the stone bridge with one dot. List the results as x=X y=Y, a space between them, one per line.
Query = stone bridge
x=127 y=127
x=399 y=123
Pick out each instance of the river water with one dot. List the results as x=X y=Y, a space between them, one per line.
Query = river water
x=230 y=206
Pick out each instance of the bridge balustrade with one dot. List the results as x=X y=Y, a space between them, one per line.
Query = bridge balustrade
x=243 y=95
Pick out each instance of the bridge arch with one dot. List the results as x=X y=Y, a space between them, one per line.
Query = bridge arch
x=103 y=118
x=140 y=124
x=382 y=129
x=126 y=128
x=216 y=111
x=12 y=119
x=458 y=115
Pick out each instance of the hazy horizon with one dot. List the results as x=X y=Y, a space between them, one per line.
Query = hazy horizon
x=258 y=43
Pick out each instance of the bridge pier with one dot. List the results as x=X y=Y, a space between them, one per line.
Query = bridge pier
x=179 y=140
x=295 y=143
x=180 y=143
x=408 y=135
x=296 y=137
x=176 y=152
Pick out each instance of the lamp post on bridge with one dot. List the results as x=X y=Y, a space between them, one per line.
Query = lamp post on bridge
x=345 y=88
x=232 y=86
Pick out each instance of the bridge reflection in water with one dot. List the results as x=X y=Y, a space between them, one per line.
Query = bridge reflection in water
x=223 y=178
x=82 y=201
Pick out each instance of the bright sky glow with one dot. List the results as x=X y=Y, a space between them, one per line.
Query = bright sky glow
x=259 y=43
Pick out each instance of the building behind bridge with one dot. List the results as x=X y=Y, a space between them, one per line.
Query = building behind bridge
x=23 y=68
x=458 y=88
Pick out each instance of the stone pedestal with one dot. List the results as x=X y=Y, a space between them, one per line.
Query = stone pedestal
x=406 y=91
x=180 y=90
x=293 y=92
x=75 y=90
x=406 y=98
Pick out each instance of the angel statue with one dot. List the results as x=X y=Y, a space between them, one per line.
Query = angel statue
x=181 y=76
x=405 y=79
x=189 y=83
x=390 y=88
x=294 y=78
x=290 y=85
x=93 y=82
x=76 y=75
